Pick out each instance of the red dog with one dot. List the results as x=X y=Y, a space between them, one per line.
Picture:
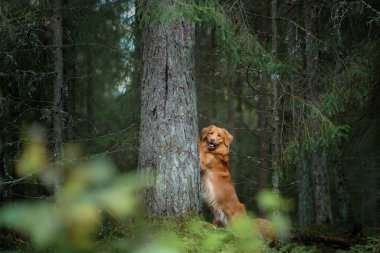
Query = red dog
x=217 y=189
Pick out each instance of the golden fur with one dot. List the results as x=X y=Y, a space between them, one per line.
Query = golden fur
x=217 y=189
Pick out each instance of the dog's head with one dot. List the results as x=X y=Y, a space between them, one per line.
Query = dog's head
x=216 y=136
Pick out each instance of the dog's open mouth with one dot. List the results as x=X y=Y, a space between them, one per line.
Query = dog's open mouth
x=211 y=145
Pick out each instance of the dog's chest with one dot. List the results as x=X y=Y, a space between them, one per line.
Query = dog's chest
x=208 y=191
x=209 y=160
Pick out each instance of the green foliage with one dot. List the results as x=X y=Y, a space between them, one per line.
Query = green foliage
x=346 y=95
x=234 y=37
x=71 y=220
x=277 y=209
x=270 y=201
x=317 y=131
x=189 y=234
x=350 y=85
x=209 y=12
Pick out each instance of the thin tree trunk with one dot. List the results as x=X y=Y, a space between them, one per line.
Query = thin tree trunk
x=345 y=215
x=89 y=95
x=311 y=19
x=59 y=87
x=238 y=136
x=71 y=99
x=275 y=103
x=230 y=117
x=168 y=132
x=262 y=105
x=213 y=60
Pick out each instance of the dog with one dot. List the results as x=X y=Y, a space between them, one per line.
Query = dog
x=218 y=192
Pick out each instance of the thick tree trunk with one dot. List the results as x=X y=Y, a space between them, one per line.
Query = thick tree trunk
x=322 y=203
x=59 y=88
x=168 y=132
x=306 y=215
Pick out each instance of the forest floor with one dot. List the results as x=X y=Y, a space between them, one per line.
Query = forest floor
x=192 y=235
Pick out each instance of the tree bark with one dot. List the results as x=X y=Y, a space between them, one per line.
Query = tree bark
x=305 y=193
x=322 y=203
x=311 y=19
x=275 y=103
x=89 y=95
x=345 y=215
x=168 y=132
x=59 y=88
x=306 y=215
x=262 y=109
x=71 y=100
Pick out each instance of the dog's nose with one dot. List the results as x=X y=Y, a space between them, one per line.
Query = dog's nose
x=212 y=140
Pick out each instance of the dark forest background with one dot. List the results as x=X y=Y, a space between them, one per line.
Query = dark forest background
x=295 y=82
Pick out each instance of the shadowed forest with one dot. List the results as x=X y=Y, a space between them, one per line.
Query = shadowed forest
x=102 y=103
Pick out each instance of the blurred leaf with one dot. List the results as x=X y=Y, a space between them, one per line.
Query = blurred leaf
x=248 y=239
x=34 y=219
x=282 y=225
x=269 y=201
x=90 y=174
x=82 y=220
x=71 y=152
x=120 y=199
x=33 y=159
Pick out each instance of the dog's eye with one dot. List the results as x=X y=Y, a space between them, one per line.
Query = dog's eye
x=219 y=135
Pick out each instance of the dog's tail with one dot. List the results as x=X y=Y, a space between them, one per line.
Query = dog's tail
x=266 y=229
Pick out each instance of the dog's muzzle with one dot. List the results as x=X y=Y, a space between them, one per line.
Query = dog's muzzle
x=211 y=145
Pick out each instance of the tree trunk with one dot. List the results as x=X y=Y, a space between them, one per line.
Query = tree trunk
x=275 y=103
x=306 y=215
x=311 y=19
x=168 y=132
x=70 y=105
x=322 y=203
x=89 y=96
x=59 y=88
x=345 y=215
x=215 y=84
x=262 y=105
x=305 y=193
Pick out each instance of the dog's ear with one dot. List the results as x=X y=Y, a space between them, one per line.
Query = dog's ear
x=228 y=138
x=205 y=132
